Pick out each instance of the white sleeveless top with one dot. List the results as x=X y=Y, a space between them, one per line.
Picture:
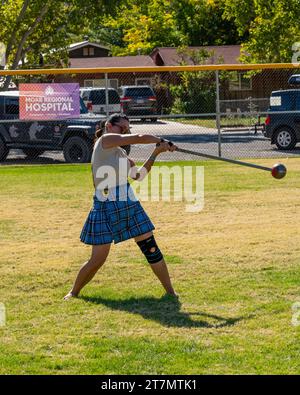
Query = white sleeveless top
x=110 y=167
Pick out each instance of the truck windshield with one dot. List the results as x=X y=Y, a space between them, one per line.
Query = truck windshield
x=99 y=97
x=139 y=92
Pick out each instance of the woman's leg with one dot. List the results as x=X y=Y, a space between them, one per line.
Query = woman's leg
x=159 y=269
x=89 y=268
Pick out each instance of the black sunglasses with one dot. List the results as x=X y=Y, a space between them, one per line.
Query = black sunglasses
x=124 y=129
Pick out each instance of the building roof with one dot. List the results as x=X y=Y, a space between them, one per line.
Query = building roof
x=112 y=61
x=163 y=56
x=82 y=44
x=169 y=56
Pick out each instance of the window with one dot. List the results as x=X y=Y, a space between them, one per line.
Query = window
x=297 y=103
x=143 y=81
x=88 y=83
x=88 y=51
x=99 y=83
x=114 y=98
x=112 y=83
x=85 y=96
x=83 y=109
x=138 y=92
x=12 y=106
x=239 y=81
x=98 y=96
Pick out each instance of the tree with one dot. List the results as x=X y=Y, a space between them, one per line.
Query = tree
x=272 y=27
x=143 y=26
x=196 y=92
x=30 y=28
x=202 y=22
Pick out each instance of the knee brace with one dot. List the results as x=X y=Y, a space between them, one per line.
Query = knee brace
x=150 y=249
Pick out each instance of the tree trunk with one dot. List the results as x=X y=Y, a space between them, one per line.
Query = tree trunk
x=19 y=19
x=21 y=44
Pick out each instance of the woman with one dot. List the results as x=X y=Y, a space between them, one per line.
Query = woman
x=116 y=214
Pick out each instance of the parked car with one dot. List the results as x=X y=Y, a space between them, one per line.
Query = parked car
x=73 y=136
x=137 y=100
x=282 y=124
x=95 y=100
x=294 y=80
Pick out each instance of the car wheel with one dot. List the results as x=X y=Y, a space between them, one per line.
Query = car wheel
x=4 y=150
x=77 y=150
x=33 y=153
x=285 y=138
x=153 y=119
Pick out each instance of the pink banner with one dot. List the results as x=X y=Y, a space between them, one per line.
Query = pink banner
x=49 y=101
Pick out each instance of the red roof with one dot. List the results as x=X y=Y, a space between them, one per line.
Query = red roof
x=169 y=56
x=164 y=56
x=112 y=61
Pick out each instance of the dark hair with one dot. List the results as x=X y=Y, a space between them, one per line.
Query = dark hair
x=112 y=119
x=99 y=131
x=115 y=118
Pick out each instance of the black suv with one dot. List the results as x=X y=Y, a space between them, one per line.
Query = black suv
x=73 y=136
x=138 y=100
x=282 y=124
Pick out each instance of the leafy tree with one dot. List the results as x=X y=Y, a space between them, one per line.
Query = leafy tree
x=196 y=92
x=31 y=28
x=144 y=26
x=202 y=22
x=272 y=27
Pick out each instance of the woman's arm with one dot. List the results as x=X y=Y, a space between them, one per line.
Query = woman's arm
x=140 y=174
x=111 y=140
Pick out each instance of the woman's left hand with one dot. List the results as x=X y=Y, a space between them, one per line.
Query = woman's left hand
x=164 y=147
x=131 y=162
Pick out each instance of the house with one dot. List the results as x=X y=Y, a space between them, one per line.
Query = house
x=87 y=54
x=92 y=55
x=171 y=56
x=85 y=49
x=239 y=86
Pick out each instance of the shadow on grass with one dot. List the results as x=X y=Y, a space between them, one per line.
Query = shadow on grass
x=165 y=310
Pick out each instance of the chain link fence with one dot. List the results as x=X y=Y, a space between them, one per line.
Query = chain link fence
x=50 y=116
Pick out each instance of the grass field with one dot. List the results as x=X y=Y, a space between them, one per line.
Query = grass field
x=235 y=265
x=238 y=121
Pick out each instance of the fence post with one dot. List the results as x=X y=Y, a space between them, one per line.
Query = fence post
x=106 y=96
x=218 y=112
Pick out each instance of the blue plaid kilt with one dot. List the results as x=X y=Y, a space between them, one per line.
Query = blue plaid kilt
x=115 y=220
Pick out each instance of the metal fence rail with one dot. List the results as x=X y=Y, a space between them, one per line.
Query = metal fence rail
x=223 y=110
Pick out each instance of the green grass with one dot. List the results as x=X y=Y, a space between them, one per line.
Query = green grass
x=225 y=121
x=235 y=265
